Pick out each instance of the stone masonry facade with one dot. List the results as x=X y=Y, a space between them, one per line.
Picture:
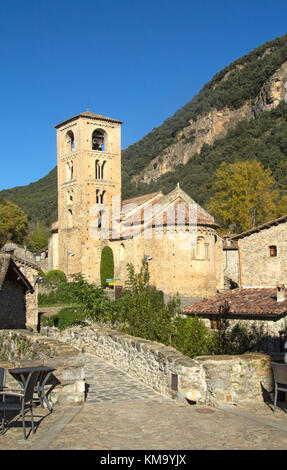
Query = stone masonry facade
x=259 y=266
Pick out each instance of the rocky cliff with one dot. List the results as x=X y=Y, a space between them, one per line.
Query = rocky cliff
x=215 y=125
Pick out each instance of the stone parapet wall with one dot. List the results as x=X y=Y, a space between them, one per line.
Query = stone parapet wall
x=21 y=348
x=213 y=380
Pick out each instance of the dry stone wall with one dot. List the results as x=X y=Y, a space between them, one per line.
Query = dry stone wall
x=213 y=380
x=22 y=348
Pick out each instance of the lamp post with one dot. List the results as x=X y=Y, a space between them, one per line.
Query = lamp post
x=69 y=253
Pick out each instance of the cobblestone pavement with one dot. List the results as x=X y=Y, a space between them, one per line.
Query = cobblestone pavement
x=120 y=413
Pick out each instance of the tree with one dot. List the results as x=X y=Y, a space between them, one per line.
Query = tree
x=38 y=236
x=107 y=265
x=13 y=222
x=244 y=196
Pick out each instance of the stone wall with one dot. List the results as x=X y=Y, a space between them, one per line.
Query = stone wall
x=213 y=380
x=257 y=267
x=31 y=273
x=21 y=348
x=230 y=265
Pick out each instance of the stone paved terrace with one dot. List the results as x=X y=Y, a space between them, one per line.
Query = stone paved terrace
x=121 y=413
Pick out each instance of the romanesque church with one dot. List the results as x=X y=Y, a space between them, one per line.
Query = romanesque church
x=181 y=245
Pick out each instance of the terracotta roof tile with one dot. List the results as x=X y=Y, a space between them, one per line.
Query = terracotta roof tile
x=139 y=200
x=253 y=301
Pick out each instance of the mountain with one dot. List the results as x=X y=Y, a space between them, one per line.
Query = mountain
x=241 y=113
x=38 y=200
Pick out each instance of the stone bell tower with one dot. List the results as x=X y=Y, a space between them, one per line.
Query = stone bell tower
x=89 y=173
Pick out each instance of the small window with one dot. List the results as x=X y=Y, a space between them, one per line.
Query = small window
x=273 y=250
x=70 y=218
x=214 y=323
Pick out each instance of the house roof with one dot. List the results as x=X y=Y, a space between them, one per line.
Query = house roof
x=265 y=226
x=253 y=302
x=89 y=115
x=139 y=200
x=8 y=268
x=156 y=209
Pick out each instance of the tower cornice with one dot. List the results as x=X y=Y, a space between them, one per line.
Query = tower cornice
x=88 y=115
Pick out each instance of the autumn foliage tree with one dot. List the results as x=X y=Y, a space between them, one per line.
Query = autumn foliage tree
x=13 y=222
x=245 y=196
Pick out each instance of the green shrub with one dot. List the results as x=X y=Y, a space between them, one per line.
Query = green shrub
x=141 y=310
x=56 y=275
x=238 y=339
x=191 y=337
x=58 y=293
x=107 y=265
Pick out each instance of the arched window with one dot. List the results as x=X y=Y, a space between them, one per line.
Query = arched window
x=102 y=197
x=102 y=170
x=70 y=197
x=97 y=196
x=97 y=170
x=200 y=248
x=100 y=218
x=69 y=171
x=70 y=218
x=70 y=142
x=98 y=140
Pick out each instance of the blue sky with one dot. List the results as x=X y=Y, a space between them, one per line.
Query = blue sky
x=131 y=60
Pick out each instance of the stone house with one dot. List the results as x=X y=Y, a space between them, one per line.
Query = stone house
x=24 y=260
x=14 y=287
x=262 y=254
x=262 y=275
x=265 y=309
x=176 y=235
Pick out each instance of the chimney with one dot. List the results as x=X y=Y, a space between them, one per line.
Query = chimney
x=280 y=291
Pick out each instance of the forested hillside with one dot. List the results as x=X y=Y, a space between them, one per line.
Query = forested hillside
x=38 y=200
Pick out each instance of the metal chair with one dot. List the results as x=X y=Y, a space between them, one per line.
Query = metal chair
x=20 y=402
x=280 y=379
x=2 y=377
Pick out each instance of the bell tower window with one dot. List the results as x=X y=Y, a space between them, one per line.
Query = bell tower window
x=102 y=197
x=69 y=171
x=70 y=142
x=70 y=218
x=98 y=140
x=102 y=170
x=97 y=170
